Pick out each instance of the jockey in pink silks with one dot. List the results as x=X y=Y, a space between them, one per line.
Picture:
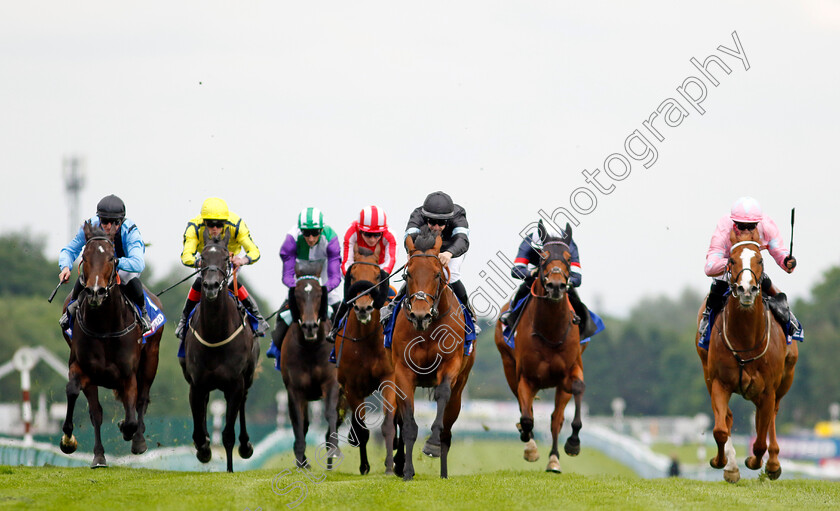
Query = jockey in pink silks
x=746 y=215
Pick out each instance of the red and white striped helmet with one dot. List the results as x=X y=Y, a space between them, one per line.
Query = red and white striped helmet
x=373 y=219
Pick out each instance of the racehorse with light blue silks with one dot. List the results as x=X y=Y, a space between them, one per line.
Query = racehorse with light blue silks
x=108 y=349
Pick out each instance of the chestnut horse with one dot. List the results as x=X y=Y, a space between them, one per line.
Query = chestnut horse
x=304 y=361
x=107 y=348
x=364 y=365
x=747 y=355
x=547 y=352
x=221 y=353
x=428 y=349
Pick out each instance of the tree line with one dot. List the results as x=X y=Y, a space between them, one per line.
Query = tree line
x=647 y=358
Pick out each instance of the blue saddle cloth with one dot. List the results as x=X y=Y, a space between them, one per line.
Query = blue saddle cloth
x=508 y=334
x=791 y=333
x=469 y=327
x=155 y=315
x=251 y=321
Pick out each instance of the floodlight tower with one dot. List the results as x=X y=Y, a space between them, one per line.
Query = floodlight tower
x=74 y=182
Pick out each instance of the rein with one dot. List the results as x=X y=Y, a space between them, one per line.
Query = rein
x=422 y=295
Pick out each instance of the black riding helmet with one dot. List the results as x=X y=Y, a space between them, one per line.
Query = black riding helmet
x=111 y=206
x=439 y=206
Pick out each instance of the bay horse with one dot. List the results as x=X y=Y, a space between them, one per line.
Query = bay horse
x=427 y=350
x=747 y=355
x=363 y=363
x=547 y=351
x=304 y=361
x=107 y=348
x=221 y=353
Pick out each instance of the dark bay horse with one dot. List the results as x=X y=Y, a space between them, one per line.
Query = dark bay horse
x=221 y=353
x=428 y=350
x=363 y=363
x=107 y=350
x=307 y=371
x=747 y=355
x=547 y=352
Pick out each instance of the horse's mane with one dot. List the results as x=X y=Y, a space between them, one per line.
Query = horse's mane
x=365 y=251
x=308 y=268
x=425 y=240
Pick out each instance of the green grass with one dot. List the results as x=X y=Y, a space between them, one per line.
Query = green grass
x=484 y=475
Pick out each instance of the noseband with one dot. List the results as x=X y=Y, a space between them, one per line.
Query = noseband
x=432 y=300
x=226 y=273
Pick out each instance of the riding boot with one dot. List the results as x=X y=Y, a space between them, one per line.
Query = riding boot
x=714 y=303
x=340 y=313
x=386 y=311
x=508 y=317
x=181 y=329
x=64 y=321
x=134 y=291
x=581 y=315
x=461 y=293
x=780 y=308
x=251 y=306
x=277 y=336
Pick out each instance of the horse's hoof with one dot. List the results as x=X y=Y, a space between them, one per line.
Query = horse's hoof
x=572 y=448
x=732 y=476
x=531 y=453
x=773 y=475
x=99 y=462
x=203 y=454
x=431 y=450
x=364 y=469
x=713 y=465
x=68 y=445
x=753 y=463
x=138 y=445
x=408 y=477
x=246 y=450
x=127 y=429
x=389 y=471
x=553 y=464
x=398 y=471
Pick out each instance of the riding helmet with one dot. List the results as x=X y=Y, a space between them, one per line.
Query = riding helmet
x=372 y=219
x=111 y=206
x=214 y=208
x=310 y=218
x=746 y=210
x=438 y=205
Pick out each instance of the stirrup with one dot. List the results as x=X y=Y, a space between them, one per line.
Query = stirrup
x=181 y=329
x=64 y=321
x=385 y=313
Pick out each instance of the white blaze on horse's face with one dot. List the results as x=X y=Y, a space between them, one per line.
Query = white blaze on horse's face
x=747 y=290
x=101 y=250
x=308 y=288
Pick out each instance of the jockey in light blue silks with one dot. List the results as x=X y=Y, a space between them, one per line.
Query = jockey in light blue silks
x=130 y=249
x=309 y=240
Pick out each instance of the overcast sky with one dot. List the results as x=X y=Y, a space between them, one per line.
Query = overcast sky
x=275 y=106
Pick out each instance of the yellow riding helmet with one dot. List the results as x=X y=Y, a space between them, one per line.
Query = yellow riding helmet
x=214 y=208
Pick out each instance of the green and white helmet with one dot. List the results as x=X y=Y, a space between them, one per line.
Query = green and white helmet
x=310 y=218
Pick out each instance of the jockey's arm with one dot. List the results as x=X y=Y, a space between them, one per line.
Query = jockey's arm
x=70 y=252
x=333 y=264
x=134 y=260
x=288 y=252
x=190 y=245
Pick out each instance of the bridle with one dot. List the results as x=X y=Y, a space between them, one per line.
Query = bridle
x=226 y=273
x=309 y=277
x=543 y=274
x=112 y=280
x=432 y=300
x=733 y=282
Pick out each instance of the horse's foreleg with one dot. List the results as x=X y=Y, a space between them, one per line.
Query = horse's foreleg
x=233 y=397
x=525 y=393
x=246 y=450
x=561 y=398
x=331 y=392
x=68 y=441
x=442 y=394
x=450 y=415
x=572 y=446
x=198 y=405
x=129 y=398
x=764 y=412
x=146 y=376
x=720 y=407
x=92 y=394
x=389 y=431
x=297 y=414
x=408 y=426
x=773 y=467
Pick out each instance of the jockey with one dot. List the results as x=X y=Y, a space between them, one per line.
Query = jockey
x=449 y=221
x=217 y=220
x=370 y=230
x=525 y=268
x=746 y=215
x=110 y=216
x=309 y=240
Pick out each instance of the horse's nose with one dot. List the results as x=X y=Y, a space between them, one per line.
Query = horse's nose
x=309 y=328
x=365 y=309
x=420 y=321
x=554 y=289
x=100 y=294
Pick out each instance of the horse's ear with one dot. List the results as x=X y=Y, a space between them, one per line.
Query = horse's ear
x=297 y=268
x=409 y=244
x=205 y=236
x=87 y=228
x=319 y=267
x=542 y=234
x=356 y=252
x=568 y=232
x=377 y=250
x=227 y=237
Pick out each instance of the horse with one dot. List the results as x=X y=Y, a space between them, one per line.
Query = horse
x=304 y=361
x=107 y=349
x=428 y=351
x=364 y=365
x=747 y=355
x=221 y=353
x=547 y=352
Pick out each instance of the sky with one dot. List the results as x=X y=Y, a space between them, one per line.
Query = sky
x=275 y=106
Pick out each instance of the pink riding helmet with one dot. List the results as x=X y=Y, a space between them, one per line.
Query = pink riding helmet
x=747 y=210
